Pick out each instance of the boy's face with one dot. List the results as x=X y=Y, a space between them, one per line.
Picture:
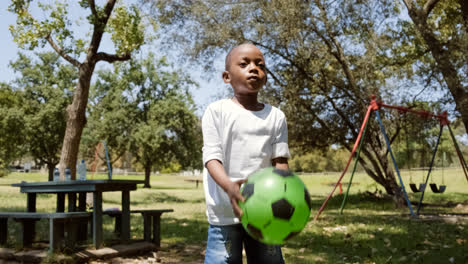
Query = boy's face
x=246 y=70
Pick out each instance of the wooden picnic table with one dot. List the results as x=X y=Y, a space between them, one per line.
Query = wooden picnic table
x=74 y=187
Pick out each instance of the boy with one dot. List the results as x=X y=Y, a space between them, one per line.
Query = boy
x=240 y=136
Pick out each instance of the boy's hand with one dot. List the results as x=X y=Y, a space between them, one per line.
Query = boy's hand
x=232 y=189
x=233 y=192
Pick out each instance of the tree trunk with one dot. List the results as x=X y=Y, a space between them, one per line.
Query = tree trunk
x=394 y=188
x=380 y=168
x=464 y=8
x=76 y=120
x=50 y=169
x=147 y=176
x=389 y=183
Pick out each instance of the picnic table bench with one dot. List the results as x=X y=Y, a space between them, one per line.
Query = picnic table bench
x=59 y=225
x=151 y=222
x=72 y=188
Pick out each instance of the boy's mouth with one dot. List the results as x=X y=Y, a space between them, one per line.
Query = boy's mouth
x=253 y=78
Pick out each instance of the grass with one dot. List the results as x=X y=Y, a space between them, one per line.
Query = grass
x=371 y=230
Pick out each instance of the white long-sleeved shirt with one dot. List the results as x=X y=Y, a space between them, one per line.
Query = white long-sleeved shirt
x=243 y=141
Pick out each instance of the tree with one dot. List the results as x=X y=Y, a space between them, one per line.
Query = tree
x=12 y=126
x=126 y=30
x=47 y=87
x=324 y=59
x=110 y=116
x=149 y=111
x=441 y=28
x=169 y=132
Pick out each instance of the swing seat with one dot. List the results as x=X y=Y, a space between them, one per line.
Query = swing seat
x=415 y=189
x=436 y=189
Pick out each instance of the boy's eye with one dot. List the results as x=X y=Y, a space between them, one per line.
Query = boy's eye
x=243 y=64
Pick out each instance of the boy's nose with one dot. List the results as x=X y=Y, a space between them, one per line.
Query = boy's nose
x=253 y=67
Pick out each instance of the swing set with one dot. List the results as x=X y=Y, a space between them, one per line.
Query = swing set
x=422 y=186
x=99 y=148
x=375 y=106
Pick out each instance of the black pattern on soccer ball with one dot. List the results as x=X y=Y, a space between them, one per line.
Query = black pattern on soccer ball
x=248 y=190
x=255 y=232
x=283 y=173
x=282 y=209
x=307 y=198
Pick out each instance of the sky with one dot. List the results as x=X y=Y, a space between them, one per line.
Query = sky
x=210 y=84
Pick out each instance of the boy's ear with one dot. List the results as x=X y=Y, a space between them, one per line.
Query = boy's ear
x=226 y=77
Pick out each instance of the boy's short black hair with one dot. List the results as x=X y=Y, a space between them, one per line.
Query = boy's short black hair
x=227 y=62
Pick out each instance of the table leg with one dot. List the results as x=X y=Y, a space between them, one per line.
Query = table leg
x=60 y=202
x=157 y=230
x=71 y=202
x=56 y=234
x=31 y=225
x=125 y=235
x=147 y=224
x=82 y=201
x=83 y=227
x=97 y=219
x=3 y=230
x=31 y=202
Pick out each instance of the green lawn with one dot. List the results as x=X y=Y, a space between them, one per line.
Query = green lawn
x=371 y=230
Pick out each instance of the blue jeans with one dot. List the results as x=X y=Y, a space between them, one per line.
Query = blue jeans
x=225 y=246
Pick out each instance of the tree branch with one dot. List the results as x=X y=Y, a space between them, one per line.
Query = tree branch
x=61 y=52
x=102 y=56
x=409 y=4
x=464 y=9
x=92 y=6
x=429 y=5
x=108 y=8
x=275 y=79
x=99 y=26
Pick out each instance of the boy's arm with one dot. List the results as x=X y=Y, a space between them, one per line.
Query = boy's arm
x=280 y=163
x=280 y=145
x=232 y=189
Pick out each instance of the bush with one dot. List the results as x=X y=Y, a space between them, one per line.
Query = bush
x=4 y=172
x=320 y=161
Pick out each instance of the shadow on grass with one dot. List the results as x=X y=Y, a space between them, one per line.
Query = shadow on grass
x=379 y=239
x=361 y=200
x=351 y=238
x=156 y=198
x=347 y=239
x=167 y=187
x=358 y=236
x=365 y=201
x=166 y=198
x=13 y=209
x=185 y=238
x=362 y=235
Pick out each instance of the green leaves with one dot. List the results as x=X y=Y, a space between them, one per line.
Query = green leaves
x=126 y=29
x=144 y=108
x=12 y=126
x=45 y=86
x=125 y=26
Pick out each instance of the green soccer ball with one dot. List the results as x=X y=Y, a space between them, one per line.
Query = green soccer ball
x=277 y=205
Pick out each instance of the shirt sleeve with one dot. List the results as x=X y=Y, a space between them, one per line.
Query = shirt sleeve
x=212 y=143
x=280 y=144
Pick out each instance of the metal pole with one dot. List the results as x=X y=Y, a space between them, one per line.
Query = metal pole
x=108 y=162
x=394 y=164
